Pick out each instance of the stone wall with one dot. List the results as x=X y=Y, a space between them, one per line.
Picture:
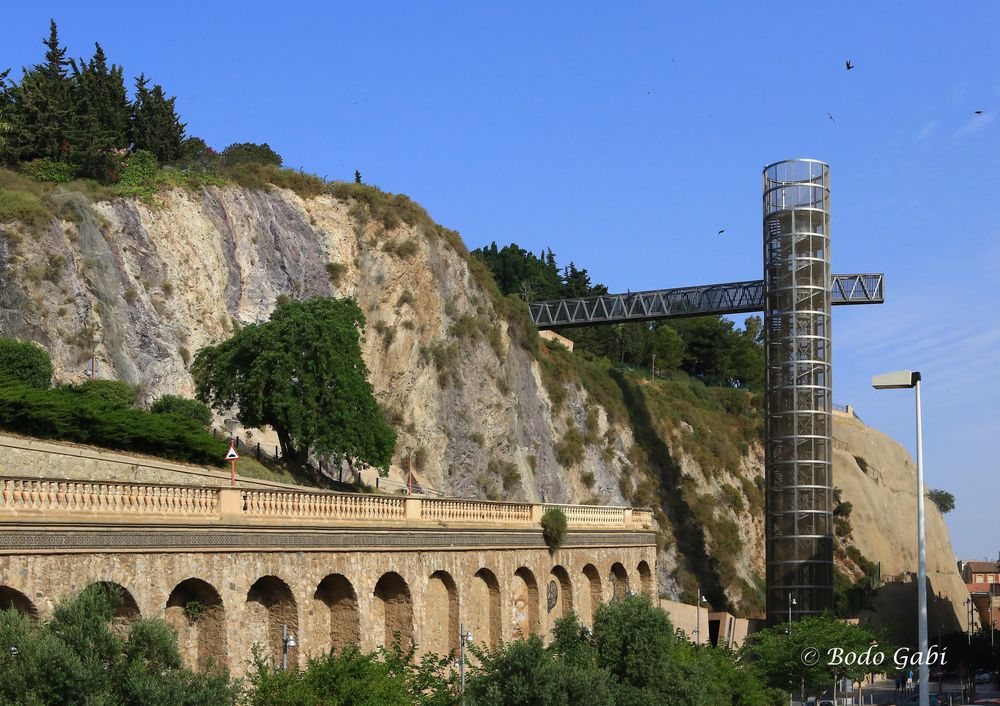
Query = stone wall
x=223 y=601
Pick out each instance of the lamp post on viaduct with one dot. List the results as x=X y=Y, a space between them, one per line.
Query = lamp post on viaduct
x=795 y=295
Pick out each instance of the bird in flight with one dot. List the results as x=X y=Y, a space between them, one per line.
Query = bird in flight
x=722 y=231
x=979 y=112
x=829 y=115
x=848 y=64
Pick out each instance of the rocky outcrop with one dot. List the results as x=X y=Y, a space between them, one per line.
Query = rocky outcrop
x=141 y=287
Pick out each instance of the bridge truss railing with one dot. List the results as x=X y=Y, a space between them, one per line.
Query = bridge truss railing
x=43 y=499
x=728 y=298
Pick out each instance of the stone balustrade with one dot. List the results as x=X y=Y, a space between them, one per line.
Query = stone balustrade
x=41 y=499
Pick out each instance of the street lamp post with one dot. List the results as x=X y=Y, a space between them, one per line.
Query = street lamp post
x=464 y=637
x=287 y=642
x=791 y=602
x=904 y=379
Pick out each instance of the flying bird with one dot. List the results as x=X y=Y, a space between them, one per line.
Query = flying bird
x=722 y=231
x=979 y=112
x=848 y=64
x=832 y=118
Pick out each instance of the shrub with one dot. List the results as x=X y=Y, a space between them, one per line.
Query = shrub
x=588 y=479
x=569 y=451
x=25 y=208
x=26 y=362
x=110 y=394
x=182 y=407
x=46 y=169
x=66 y=414
x=944 y=500
x=554 y=527
x=335 y=270
x=249 y=153
x=140 y=175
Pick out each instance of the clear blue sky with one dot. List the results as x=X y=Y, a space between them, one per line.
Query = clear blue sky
x=625 y=135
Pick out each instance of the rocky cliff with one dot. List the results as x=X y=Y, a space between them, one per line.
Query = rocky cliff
x=481 y=408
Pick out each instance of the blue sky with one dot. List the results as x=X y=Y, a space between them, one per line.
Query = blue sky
x=625 y=135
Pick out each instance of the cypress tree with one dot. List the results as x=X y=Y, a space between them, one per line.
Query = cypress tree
x=40 y=108
x=101 y=116
x=154 y=124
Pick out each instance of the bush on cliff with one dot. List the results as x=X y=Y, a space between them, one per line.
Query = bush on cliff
x=68 y=415
x=25 y=361
x=554 y=527
x=182 y=407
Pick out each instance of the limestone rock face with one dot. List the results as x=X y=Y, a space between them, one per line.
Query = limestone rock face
x=142 y=287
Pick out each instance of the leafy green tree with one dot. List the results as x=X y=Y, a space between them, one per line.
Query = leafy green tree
x=944 y=500
x=182 y=407
x=78 y=658
x=668 y=346
x=154 y=124
x=784 y=661
x=350 y=678
x=301 y=373
x=25 y=361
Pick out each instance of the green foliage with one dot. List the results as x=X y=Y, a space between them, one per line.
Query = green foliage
x=155 y=126
x=569 y=450
x=25 y=208
x=194 y=410
x=554 y=527
x=108 y=394
x=77 y=658
x=26 y=362
x=775 y=657
x=47 y=169
x=733 y=498
x=263 y=176
x=350 y=678
x=944 y=500
x=67 y=414
x=301 y=373
x=140 y=176
x=249 y=153
x=335 y=270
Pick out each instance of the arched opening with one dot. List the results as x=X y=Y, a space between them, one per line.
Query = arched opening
x=338 y=611
x=126 y=610
x=524 y=603
x=483 y=612
x=646 y=580
x=271 y=607
x=591 y=596
x=440 y=634
x=12 y=599
x=195 y=610
x=393 y=610
x=558 y=595
x=619 y=581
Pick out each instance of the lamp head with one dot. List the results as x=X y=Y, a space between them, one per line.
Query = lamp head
x=291 y=641
x=231 y=424
x=900 y=379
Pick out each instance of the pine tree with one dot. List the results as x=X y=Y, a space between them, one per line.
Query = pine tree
x=154 y=123
x=101 y=116
x=40 y=108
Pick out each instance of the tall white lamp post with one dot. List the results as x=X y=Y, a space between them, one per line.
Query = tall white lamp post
x=903 y=379
x=697 y=613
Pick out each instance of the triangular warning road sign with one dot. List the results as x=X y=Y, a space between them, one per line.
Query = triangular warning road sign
x=232 y=455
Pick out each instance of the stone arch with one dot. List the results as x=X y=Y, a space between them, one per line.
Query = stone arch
x=646 y=579
x=558 y=594
x=393 y=609
x=483 y=613
x=126 y=610
x=524 y=603
x=618 y=578
x=195 y=609
x=271 y=606
x=440 y=633
x=12 y=599
x=592 y=594
x=337 y=604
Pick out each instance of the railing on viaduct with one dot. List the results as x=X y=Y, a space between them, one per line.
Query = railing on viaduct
x=28 y=499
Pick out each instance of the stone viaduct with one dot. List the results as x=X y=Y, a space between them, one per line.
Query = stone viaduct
x=229 y=567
